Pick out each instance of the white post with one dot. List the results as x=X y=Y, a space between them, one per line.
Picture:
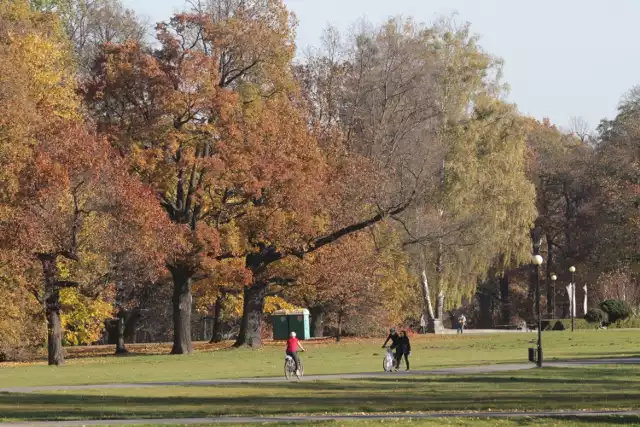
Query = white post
x=585 y=299
x=573 y=299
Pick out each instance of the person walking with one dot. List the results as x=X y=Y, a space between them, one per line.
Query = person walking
x=393 y=337
x=403 y=349
x=462 y=321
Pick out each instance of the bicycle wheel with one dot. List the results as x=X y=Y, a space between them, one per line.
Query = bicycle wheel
x=300 y=368
x=386 y=366
x=289 y=368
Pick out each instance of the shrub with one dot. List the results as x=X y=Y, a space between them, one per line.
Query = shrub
x=632 y=322
x=565 y=325
x=596 y=315
x=578 y=324
x=616 y=309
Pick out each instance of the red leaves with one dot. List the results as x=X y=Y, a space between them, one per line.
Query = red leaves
x=76 y=196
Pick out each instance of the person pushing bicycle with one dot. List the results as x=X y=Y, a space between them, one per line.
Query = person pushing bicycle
x=293 y=344
x=394 y=337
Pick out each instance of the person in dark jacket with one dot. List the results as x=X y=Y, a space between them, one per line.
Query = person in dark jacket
x=403 y=349
x=394 y=337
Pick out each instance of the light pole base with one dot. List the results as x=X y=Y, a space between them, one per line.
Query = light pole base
x=539 y=358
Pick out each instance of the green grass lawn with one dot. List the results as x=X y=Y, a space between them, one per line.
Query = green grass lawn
x=602 y=387
x=458 y=422
x=429 y=352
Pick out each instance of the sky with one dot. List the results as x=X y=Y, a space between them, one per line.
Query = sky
x=563 y=58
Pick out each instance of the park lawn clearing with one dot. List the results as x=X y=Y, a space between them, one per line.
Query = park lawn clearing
x=326 y=357
x=592 y=388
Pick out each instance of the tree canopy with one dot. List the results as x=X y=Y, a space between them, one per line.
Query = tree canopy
x=206 y=173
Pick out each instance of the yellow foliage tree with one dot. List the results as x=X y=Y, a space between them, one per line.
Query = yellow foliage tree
x=83 y=317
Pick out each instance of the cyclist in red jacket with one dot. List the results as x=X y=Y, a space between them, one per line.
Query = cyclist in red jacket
x=292 y=350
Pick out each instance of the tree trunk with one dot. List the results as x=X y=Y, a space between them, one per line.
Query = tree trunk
x=317 y=321
x=434 y=325
x=55 y=353
x=339 y=329
x=427 y=307
x=217 y=323
x=440 y=306
x=251 y=327
x=120 y=328
x=182 y=300
x=133 y=317
x=504 y=297
x=484 y=299
x=54 y=329
x=536 y=241
x=551 y=298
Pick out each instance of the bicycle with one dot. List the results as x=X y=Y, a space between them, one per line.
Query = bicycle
x=388 y=361
x=290 y=367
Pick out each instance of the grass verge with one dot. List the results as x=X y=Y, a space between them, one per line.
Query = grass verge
x=429 y=352
x=455 y=422
x=602 y=387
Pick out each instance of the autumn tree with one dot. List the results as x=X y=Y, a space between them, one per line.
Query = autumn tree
x=67 y=209
x=212 y=124
x=34 y=93
x=58 y=201
x=615 y=236
x=359 y=285
x=422 y=104
x=559 y=167
x=91 y=23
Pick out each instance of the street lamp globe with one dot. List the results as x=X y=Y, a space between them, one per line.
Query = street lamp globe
x=537 y=260
x=572 y=269
x=554 y=277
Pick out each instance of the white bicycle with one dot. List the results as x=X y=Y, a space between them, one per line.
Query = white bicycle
x=388 y=361
x=290 y=368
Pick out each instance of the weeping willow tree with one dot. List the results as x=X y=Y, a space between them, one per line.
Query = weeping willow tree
x=484 y=205
x=487 y=203
x=487 y=195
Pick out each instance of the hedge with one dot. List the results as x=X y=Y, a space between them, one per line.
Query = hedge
x=582 y=324
x=596 y=315
x=616 y=309
x=632 y=322
x=565 y=325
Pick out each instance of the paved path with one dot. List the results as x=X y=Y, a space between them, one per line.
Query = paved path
x=316 y=418
x=448 y=371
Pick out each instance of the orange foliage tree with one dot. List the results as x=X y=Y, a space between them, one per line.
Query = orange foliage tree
x=212 y=121
x=76 y=198
x=66 y=196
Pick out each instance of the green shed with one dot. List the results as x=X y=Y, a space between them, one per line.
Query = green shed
x=286 y=321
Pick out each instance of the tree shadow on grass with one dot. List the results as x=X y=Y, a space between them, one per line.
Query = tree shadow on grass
x=313 y=398
x=606 y=420
x=505 y=380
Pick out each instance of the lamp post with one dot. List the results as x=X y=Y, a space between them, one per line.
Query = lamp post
x=572 y=269
x=537 y=261
x=553 y=295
